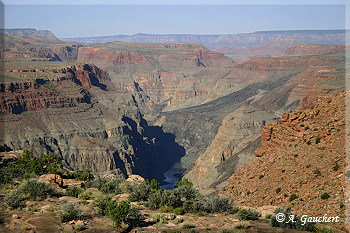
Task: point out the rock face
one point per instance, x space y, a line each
38 47
169 75
78 114
304 154
299 50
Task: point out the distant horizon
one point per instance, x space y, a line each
71 21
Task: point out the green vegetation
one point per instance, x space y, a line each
187 225
28 190
278 190
68 213
317 140
242 225
317 171
292 197
261 176
336 167
325 196
118 212
248 214
74 191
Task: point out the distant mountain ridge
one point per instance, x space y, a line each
25 32
229 40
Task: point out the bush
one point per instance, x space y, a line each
135 213
172 216
248 214
35 190
74 191
336 167
317 140
85 195
164 198
158 217
278 190
261 176
118 212
217 204
292 197
324 229
179 220
101 202
15 200
68 213
325 196
139 192
242 225
111 187
97 182
84 175
178 211
228 230
268 216
187 225
317 171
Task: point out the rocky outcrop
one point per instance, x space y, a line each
42 94
303 154
303 50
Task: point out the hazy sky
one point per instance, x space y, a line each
113 19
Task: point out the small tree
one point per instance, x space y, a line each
118 212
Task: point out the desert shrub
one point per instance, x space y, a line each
154 185
101 202
155 200
217 204
317 171
97 182
164 198
15 200
325 196
228 230
135 213
187 225
292 197
111 187
69 212
84 175
178 211
172 216
317 140
336 167
186 192
308 143
192 206
118 212
278 190
139 192
85 195
261 176
178 220
248 214
74 191
169 198
158 218
268 216
35 190
242 225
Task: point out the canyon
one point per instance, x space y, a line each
128 107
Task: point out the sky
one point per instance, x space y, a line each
101 18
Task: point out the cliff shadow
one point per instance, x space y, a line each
157 150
